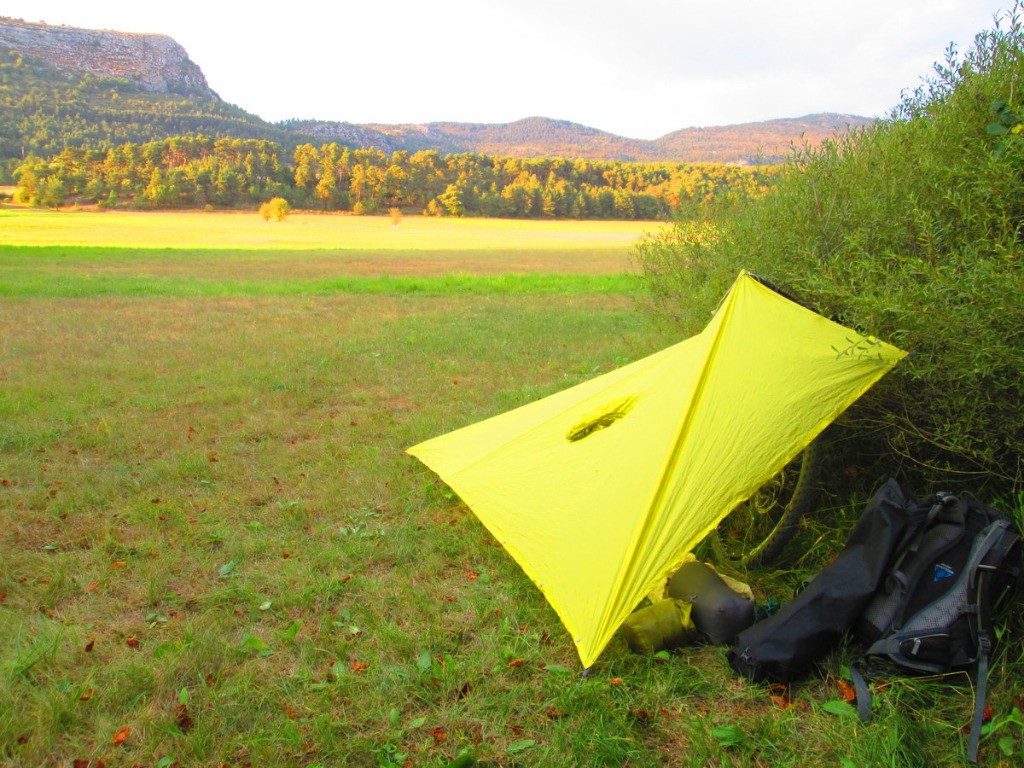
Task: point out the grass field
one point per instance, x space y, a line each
49 253
558 240
215 551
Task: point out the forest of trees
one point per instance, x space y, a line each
197 172
43 111
79 139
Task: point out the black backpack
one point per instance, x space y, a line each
917 583
933 612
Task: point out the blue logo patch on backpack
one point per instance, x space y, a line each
942 571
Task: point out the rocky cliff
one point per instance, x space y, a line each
153 62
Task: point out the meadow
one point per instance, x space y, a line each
215 551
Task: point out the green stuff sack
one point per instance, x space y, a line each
661 626
717 611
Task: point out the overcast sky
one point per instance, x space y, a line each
640 69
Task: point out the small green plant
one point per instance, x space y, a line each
390 754
1011 729
728 735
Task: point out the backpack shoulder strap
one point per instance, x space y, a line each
863 693
999 532
984 647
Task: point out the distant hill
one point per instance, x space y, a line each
748 143
764 142
62 86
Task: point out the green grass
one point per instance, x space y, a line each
50 281
211 536
82 254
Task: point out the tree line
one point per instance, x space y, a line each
198 172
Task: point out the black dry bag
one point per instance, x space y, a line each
784 646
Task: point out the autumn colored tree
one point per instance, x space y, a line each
276 208
197 171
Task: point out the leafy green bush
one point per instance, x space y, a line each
909 230
277 208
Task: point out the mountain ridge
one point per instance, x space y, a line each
764 142
157 65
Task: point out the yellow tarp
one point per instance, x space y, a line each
600 491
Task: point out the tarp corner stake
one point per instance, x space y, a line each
600 490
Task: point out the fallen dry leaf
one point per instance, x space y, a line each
358 666
121 735
779 694
439 733
92 586
132 642
183 718
118 564
846 691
